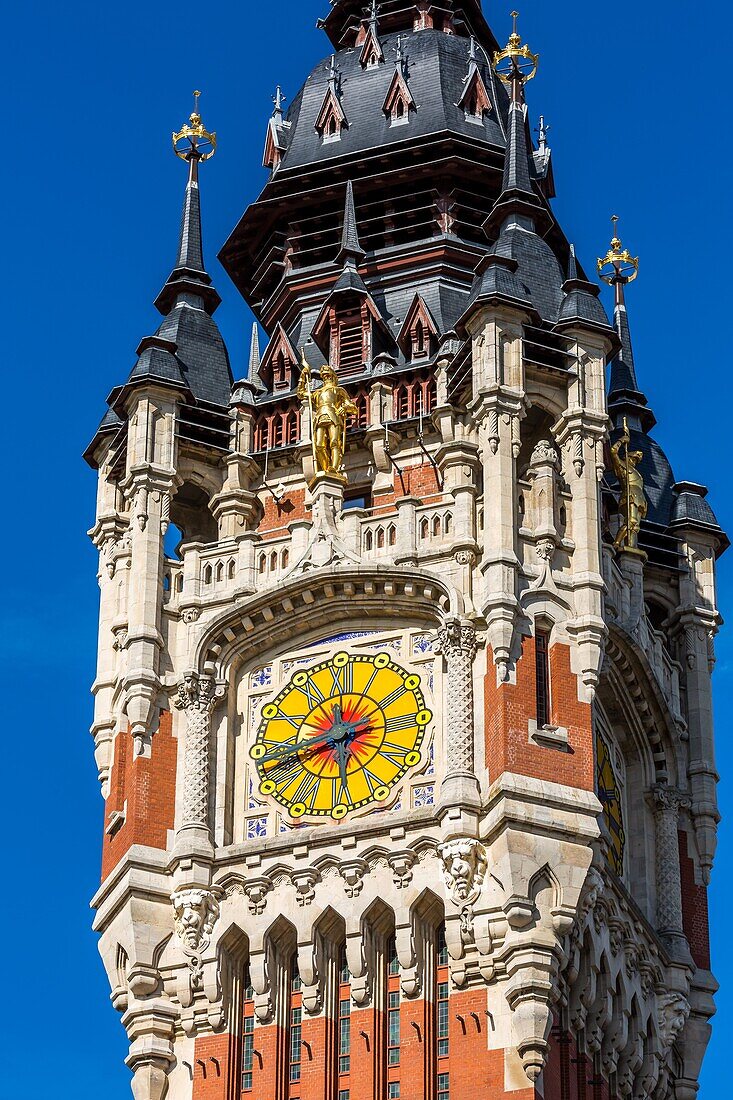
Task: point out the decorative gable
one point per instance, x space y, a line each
275 145
279 363
399 101
371 52
418 337
350 331
331 118
474 97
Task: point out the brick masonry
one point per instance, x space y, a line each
511 707
148 786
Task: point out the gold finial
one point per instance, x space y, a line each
194 141
515 60
618 264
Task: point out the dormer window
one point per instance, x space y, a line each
418 337
399 101
474 98
331 118
279 363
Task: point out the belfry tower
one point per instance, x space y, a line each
403 706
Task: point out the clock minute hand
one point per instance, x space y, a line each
341 750
296 746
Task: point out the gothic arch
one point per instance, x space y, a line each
312 602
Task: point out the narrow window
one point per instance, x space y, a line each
442 1040
393 1007
542 661
344 1026
248 1042
296 1021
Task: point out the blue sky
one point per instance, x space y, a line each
90 204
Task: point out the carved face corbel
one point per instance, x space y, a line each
464 870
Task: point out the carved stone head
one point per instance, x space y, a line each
195 912
464 868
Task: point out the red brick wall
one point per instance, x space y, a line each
149 787
509 708
316 1072
420 481
417 1051
269 1071
211 1067
367 1053
694 907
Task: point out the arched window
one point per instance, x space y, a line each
448 523
542 677
392 534
369 541
220 571
232 568
262 563
285 558
424 528
248 1034
208 574
436 526
380 538
273 561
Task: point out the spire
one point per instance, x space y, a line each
351 253
254 353
581 300
515 65
193 144
618 268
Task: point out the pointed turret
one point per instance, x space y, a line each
515 65
187 352
581 302
618 268
193 144
351 252
254 353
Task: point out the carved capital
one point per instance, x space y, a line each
457 640
199 693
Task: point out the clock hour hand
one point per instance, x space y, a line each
342 760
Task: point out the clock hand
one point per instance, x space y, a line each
296 746
341 750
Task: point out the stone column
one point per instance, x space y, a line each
667 804
197 696
458 644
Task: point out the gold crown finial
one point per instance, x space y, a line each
515 61
618 265
193 141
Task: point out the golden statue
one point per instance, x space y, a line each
330 407
632 502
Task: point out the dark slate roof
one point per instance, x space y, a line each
436 67
201 352
691 509
538 268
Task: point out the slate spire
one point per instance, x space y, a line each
189 276
515 65
618 268
351 252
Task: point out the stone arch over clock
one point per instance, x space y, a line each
365 619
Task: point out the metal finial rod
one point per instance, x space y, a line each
515 62
515 16
196 97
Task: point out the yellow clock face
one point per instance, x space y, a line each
341 736
609 795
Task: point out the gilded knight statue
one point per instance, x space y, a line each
633 504
330 407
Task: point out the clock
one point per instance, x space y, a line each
341 736
609 795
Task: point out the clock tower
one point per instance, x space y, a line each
403 704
